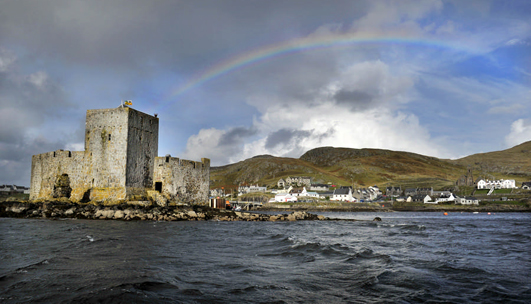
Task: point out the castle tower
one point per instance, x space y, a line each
119 163
120 146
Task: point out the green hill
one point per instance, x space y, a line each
366 167
515 161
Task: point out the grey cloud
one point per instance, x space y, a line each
181 34
284 136
358 100
289 140
291 136
236 136
15 159
27 101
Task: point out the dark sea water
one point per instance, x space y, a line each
406 258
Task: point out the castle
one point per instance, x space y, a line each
119 163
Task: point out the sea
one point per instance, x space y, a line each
407 257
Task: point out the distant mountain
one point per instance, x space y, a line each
366 167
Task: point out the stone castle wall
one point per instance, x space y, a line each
184 180
119 163
47 167
106 142
142 149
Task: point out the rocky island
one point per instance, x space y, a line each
139 211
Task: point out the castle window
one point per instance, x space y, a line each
69 153
167 159
109 137
53 153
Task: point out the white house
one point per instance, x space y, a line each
298 191
427 200
308 194
285 197
343 194
319 187
248 189
446 198
14 188
496 184
312 194
467 201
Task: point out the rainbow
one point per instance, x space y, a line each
304 44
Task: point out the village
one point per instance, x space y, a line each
301 189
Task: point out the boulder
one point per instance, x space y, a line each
17 208
119 214
107 214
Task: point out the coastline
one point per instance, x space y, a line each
357 207
131 211
142 211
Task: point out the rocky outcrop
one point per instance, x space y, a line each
129 212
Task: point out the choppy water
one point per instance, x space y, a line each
406 258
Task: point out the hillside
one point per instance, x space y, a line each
366 167
342 166
513 161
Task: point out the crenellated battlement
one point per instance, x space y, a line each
175 161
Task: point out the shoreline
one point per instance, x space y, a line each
372 208
133 211
136 212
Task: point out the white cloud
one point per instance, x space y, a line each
75 146
508 109
486 93
359 108
391 15
38 79
520 132
6 59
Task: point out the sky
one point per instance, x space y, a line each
232 79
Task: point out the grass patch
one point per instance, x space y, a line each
518 203
16 196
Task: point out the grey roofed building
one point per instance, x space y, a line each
343 190
323 195
410 192
393 191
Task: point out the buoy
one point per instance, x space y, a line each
446 213
488 213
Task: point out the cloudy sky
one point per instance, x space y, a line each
231 79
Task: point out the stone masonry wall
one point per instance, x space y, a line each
184 180
46 168
142 148
106 143
119 162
